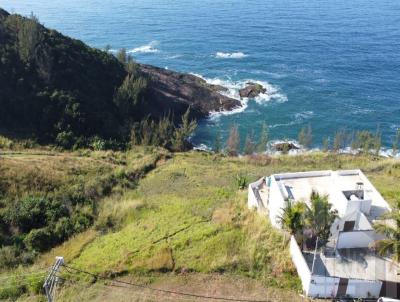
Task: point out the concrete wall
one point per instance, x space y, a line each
364 288
327 287
323 287
363 223
251 198
356 239
359 205
276 202
301 265
375 196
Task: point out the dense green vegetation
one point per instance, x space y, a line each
47 197
54 89
187 216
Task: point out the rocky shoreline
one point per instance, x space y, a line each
175 91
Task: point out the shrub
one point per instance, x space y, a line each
98 144
241 182
65 139
12 292
81 221
32 212
8 256
5 142
39 240
35 283
63 229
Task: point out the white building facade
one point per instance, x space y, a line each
346 266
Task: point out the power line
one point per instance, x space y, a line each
163 290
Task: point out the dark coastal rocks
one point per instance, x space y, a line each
251 90
285 146
174 92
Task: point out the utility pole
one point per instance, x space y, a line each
51 281
315 255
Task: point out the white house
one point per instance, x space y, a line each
346 266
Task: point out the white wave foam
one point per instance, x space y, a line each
299 118
148 48
202 147
272 93
230 55
173 56
304 115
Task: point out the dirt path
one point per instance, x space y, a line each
211 285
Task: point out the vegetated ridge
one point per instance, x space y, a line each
58 90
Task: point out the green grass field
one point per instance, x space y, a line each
187 220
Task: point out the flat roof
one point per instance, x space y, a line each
298 186
301 184
359 263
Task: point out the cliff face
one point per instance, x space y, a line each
52 86
173 90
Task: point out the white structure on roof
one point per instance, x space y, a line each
346 266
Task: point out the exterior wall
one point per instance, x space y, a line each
276 202
374 195
363 288
251 198
363 223
323 287
301 265
327 287
356 239
359 205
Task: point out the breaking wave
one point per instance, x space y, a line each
272 93
230 55
148 48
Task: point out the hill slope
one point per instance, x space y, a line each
157 232
58 89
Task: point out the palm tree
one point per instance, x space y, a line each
320 216
292 217
390 227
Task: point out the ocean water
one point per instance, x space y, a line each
331 64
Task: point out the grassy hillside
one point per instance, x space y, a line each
186 226
46 197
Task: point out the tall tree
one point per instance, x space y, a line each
389 225
396 141
183 132
339 141
218 142
29 37
326 144
122 56
305 136
249 145
233 142
377 141
264 136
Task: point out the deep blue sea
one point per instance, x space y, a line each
333 64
